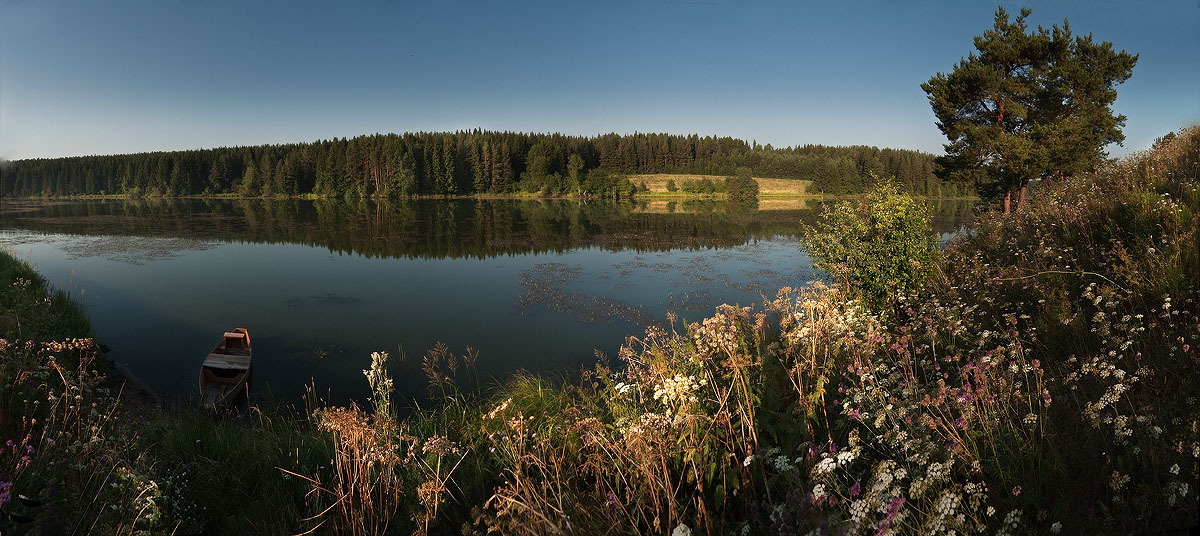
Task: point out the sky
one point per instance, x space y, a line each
81 77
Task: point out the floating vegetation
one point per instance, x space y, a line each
327 299
762 280
134 250
546 287
690 283
695 301
330 298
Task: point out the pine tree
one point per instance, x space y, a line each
1027 106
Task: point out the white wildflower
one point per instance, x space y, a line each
782 464
826 465
858 511
844 457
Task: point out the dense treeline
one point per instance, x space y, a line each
463 163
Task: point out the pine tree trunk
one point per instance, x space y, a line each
1008 202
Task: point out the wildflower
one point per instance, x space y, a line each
1056 527
678 388
991 511
818 491
858 511
746 462
894 507
845 457
498 409
682 530
782 464
1118 481
856 489
1016 491
826 465
1174 469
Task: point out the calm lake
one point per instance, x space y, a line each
534 285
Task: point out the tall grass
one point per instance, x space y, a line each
219 473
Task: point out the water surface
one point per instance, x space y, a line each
534 285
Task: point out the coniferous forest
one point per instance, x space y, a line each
464 163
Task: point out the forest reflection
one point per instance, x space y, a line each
440 228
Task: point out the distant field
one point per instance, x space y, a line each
657 183
664 206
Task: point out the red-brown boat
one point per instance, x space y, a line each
224 373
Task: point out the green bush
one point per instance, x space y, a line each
701 187
742 185
879 246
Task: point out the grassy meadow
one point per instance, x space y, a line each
656 185
1041 380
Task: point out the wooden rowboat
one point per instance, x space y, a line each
224 373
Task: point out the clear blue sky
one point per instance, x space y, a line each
86 77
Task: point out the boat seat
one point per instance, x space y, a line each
227 361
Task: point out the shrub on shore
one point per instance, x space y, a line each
878 247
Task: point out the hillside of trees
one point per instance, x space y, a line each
463 163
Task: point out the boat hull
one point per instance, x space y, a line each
225 372
218 391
